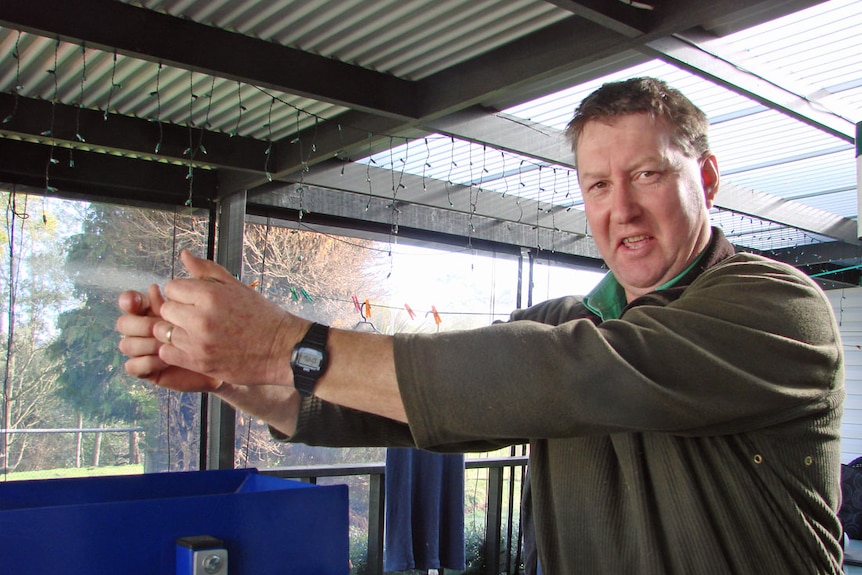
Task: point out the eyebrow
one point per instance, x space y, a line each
583 175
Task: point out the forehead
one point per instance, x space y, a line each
640 126
621 139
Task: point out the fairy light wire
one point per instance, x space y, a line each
16 55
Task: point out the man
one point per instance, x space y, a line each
683 417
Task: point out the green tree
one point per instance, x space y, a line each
32 292
123 247
118 247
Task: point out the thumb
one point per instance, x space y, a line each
204 269
133 302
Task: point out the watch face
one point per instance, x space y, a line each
309 358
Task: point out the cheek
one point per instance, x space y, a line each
693 203
596 220
598 227
694 195
681 203
595 206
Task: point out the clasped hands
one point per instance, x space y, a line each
206 330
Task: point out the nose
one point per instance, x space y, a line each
624 206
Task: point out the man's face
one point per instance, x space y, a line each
646 202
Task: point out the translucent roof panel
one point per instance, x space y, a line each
816 55
464 163
816 52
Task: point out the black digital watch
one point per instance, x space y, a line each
310 359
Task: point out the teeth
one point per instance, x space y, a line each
634 239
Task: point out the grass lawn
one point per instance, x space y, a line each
73 472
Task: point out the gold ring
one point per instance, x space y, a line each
169 334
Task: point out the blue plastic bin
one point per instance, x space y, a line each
129 524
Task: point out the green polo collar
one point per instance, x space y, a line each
608 299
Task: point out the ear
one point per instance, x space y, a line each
710 178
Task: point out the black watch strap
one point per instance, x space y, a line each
316 335
303 380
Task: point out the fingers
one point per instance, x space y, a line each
169 339
207 277
144 334
170 377
138 346
200 323
156 299
130 325
136 332
204 269
145 366
166 332
133 302
172 340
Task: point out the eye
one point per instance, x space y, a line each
648 176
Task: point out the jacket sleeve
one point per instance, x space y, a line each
328 425
750 343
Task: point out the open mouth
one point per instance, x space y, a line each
636 242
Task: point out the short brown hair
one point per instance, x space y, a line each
652 96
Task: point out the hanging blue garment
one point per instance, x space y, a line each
424 510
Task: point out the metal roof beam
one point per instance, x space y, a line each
837 253
633 18
360 192
624 18
374 182
683 50
509 133
786 212
98 175
428 222
117 134
157 37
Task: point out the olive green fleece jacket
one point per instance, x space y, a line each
697 434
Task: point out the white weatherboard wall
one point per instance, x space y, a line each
847 304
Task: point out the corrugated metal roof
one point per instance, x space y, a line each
99 80
410 40
407 39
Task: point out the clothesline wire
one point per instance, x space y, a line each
401 308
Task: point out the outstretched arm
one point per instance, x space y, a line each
213 329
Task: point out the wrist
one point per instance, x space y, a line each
276 405
290 331
309 359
